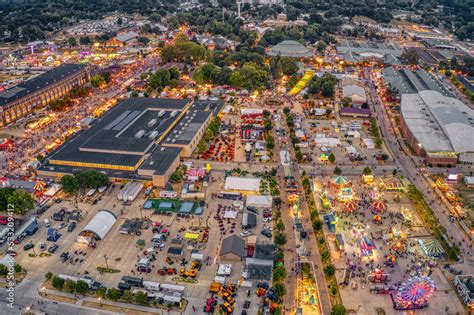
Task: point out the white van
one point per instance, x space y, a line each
47 223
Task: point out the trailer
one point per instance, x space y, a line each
91 192
153 286
164 287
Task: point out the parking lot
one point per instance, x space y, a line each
121 252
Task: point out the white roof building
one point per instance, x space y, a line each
440 123
262 201
126 37
100 224
355 92
249 184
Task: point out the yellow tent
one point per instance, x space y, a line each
191 236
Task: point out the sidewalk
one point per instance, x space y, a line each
81 299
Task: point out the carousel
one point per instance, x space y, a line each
339 181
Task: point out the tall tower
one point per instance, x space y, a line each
239 3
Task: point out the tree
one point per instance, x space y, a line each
113 294
70 285
3 270
367 171
250 76
289 65
81 287
378 142
279 289
85 40
141 298
317 225
321 46
325 255
58 282
280 239
49 275
155 18
332 158
270 144
329 270
337 171
72 41
19 200
299 155
338 309
101 292
127 296
17 268
69 184
143 40
279 274
411 57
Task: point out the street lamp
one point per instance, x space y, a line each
106 264
100 301
44 291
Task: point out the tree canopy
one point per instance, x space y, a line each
20 201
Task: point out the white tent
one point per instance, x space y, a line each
230 214
99 225
369 144
251 111
250 184
264 201
51 191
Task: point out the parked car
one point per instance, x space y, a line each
64 256
267 233
63 225
11 253
20 238
267 219
252 209
53 248
28 246
245 233
58 200
71 226
3 220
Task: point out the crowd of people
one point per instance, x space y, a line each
31 145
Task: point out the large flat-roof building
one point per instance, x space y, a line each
358 51
406 81
438 127
139 139
37 92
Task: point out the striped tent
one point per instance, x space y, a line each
340 180
39 186
431 248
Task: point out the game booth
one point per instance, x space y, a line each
366 246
